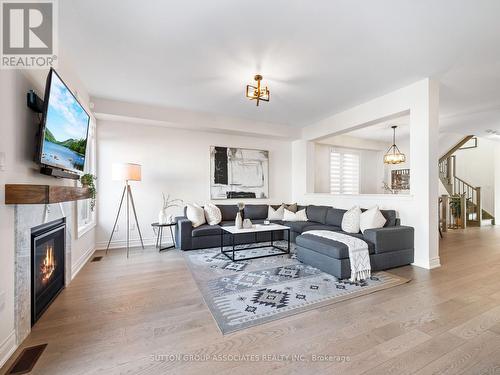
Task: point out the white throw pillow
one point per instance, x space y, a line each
212 214
350 220
371 218
275 214
195 214
294 216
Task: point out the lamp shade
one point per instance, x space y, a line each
126 172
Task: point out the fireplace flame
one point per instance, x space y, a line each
48 264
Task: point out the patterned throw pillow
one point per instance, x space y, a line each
212 214
350 221
275 214
290 207
371 218
295 216
195 214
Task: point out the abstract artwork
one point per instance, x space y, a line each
238 173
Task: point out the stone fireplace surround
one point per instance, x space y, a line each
27 217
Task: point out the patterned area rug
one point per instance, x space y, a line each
250 292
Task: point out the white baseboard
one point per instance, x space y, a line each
120 244
428 264
75 268
7 348
435 263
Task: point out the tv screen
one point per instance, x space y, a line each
65 128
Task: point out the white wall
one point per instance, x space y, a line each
497 184
476 166
372 172
173 161
18 143
346 140
322 168
371 169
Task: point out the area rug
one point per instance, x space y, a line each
247 292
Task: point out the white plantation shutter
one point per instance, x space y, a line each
344 172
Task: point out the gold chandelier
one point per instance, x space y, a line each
393 155
257 93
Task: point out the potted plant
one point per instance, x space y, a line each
456 208
88 181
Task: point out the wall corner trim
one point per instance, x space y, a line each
427 264
8 347
84 258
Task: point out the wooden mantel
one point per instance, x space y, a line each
43 194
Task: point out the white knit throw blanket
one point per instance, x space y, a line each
359 256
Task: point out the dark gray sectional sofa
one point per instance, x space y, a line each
390 246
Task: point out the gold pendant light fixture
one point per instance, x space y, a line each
393 155
257 93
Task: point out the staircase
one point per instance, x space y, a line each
458 189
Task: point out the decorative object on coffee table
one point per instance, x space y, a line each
247 224
126 172
164 217
238 222
159 235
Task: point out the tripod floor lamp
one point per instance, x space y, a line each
126 172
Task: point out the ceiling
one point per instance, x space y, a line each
317 57
383 132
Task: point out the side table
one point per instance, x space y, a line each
159 235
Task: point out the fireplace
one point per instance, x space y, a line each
48 242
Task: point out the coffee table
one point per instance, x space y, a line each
232 231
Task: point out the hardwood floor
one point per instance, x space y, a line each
122 316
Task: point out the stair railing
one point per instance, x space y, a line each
446 172
471 195
444 205
443 168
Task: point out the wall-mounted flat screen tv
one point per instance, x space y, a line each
65 127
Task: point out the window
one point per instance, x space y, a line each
344 172
85 216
